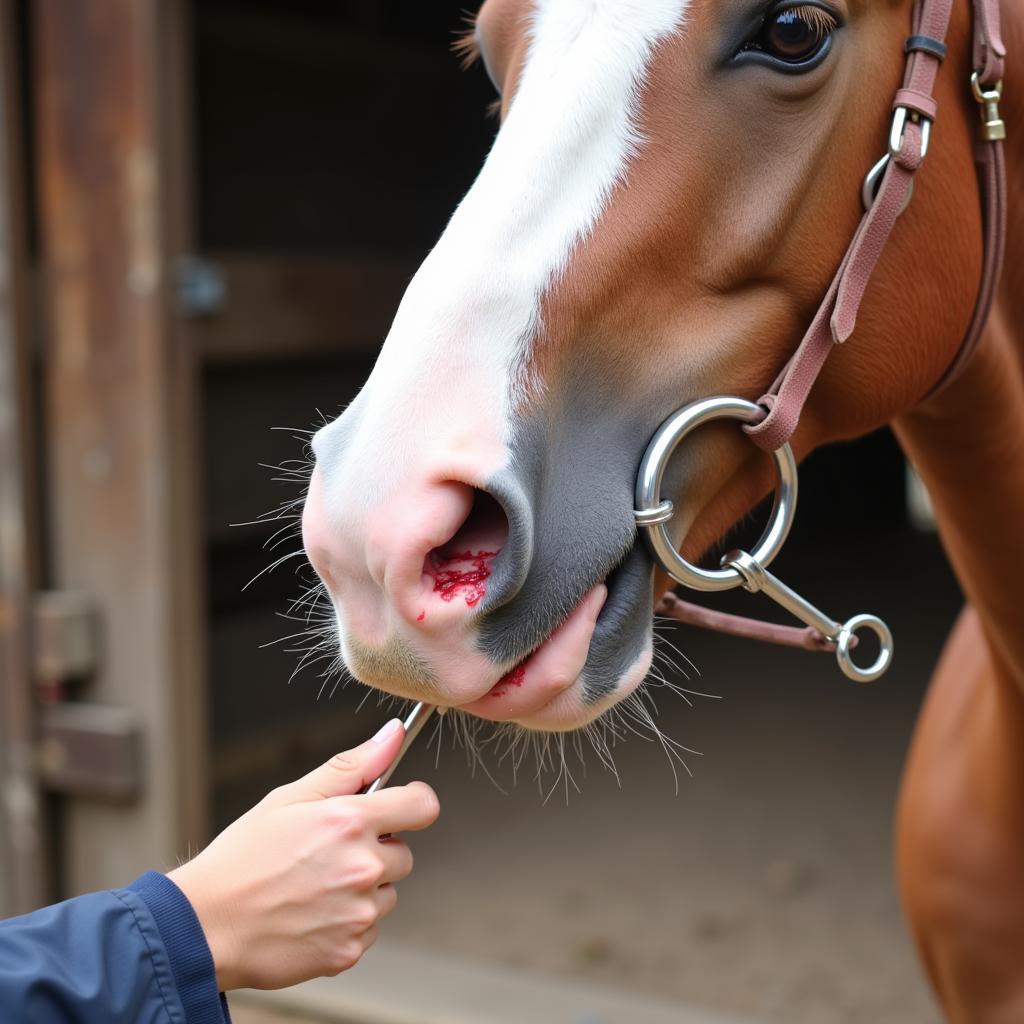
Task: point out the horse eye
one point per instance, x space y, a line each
795 35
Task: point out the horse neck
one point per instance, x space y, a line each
968 447
968 443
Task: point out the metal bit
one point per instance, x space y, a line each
758 580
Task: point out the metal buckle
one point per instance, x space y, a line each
873 180
993 127
899 126
897 135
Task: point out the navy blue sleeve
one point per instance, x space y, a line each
130 956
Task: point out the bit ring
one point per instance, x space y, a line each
651 510
885 643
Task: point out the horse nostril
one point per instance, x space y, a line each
462 566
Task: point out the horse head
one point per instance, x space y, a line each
672 188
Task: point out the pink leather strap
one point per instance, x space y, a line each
989 49
809 639
836 317
913 100
992 176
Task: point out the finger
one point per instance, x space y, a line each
386 899
349 772
402 808
396 859
368 938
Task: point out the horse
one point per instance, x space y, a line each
671 190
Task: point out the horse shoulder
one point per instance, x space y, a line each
960 834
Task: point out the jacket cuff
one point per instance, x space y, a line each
187 950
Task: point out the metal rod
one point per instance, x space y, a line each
757 579
414 722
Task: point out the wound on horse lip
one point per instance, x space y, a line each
510 679
470 583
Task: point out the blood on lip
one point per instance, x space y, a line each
510 679
470 583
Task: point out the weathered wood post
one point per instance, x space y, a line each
109 84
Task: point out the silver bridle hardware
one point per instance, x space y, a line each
899 125
740 568
653 513
758 580
872 181
993 127
897 130
652 516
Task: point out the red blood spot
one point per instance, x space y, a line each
470 583
513 678
421 616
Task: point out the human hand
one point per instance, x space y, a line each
294 888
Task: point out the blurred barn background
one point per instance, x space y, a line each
209 210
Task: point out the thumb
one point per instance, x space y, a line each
349 772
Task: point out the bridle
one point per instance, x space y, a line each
771 421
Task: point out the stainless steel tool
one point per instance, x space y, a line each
414 722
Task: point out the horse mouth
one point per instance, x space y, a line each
550 673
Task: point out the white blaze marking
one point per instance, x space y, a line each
447 372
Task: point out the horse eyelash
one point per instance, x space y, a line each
817 17
466 48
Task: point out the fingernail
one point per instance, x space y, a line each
388 730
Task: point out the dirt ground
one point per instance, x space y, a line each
242 1013
765 885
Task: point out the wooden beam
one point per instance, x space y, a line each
22 846
121 416
291 308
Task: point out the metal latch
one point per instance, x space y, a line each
90 750
65 629
84 749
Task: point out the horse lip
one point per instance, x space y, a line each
528 650
552 636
